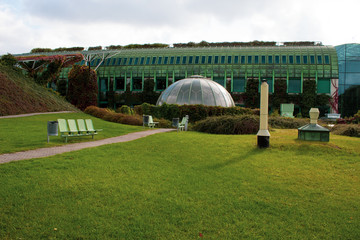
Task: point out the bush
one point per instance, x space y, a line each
244 124
125 110
109 115
82 87
287 123
195 112
351 130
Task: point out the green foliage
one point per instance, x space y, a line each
308 97
61 49
8 60
279 96
351 130
61 86
244 124
50 74
125 110
82 87
195 112
97 48
252 95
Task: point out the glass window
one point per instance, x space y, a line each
291 59
256 59
136 61
263 59
153 62
249 60
242 59
172 60
114 61
209 59
294 85
107 63
131 61
147 60
239 84
177 60
283 59
120 83
124 61
118 61
327 59
236 59
216 59
159 60
270 59
190 59
229 59
222 59
197 58
277 59
323 86
312 59
298 59
319 59
166 59
305 59
160 83
203 59
137 84
220 80
184 60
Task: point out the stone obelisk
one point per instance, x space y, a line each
263 135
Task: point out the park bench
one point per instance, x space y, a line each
69 128
181 125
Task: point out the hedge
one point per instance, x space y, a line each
195 112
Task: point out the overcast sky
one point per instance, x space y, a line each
28 24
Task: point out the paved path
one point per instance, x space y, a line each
32 114
45 152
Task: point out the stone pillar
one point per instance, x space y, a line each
263 135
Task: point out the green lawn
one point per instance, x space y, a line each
24 133
180 185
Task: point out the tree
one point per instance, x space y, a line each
82 87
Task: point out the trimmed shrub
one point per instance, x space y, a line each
109 115
287 123
195 112
351 130
125 110
244 124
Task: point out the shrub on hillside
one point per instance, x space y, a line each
351 130
242 124
125 110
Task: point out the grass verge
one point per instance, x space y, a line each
25 133
187 186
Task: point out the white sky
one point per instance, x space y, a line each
28 24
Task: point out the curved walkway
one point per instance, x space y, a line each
45 152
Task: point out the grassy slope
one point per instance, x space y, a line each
178 185
19 94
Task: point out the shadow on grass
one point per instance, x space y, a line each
254 151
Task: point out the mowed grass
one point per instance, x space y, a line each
187 186
25 133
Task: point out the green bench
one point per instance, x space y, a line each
69 128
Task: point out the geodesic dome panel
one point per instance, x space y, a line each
196 90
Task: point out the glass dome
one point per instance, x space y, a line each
196 90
